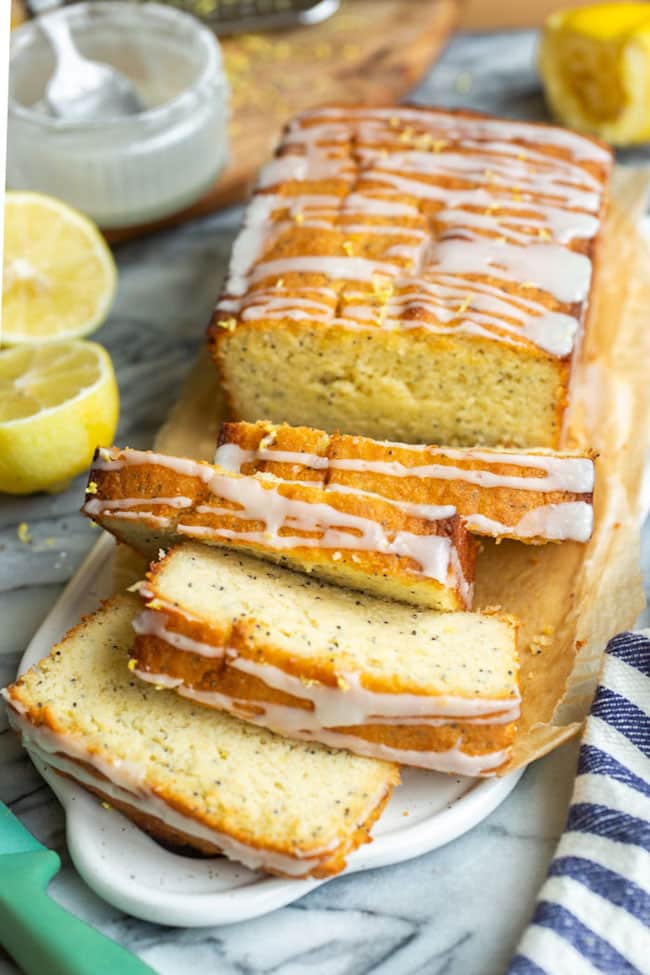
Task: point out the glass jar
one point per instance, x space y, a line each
129 170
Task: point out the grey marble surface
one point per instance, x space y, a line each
457 911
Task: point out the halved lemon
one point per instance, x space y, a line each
595 65
59 275
57 403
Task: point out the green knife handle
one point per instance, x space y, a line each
43 937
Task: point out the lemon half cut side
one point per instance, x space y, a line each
59 275
57 403
595 65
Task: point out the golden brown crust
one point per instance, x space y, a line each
253 436
155 827
505 505
360 568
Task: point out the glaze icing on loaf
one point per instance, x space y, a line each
151 500
311 660
414 274
188 775
531 496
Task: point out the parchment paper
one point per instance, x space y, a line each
571 598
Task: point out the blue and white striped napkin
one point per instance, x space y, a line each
593 912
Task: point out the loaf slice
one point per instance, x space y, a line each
311 660
152 500
414 274
533 496
185 774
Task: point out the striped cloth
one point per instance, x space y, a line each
593 912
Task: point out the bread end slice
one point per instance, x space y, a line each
184 772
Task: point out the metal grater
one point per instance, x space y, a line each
238 16
235 16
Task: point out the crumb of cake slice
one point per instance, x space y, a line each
186 774
314 661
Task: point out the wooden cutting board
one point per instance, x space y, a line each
371 51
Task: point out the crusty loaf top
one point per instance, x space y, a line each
531 495
421 218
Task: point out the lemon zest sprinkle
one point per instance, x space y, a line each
268 440
228 323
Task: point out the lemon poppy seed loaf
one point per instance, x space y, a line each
151 500
312 660
414 274
188 775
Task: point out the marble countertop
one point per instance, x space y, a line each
457 911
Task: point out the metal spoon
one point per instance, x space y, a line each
80 89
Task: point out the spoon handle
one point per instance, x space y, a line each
57 29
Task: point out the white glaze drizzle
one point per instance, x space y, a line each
577 472
259 500
349 703
565 521
158 520
152 623
473 127
429 511
431 552
570 520
291 721
336 268
556 270
519 209
231 457
573 474
454 761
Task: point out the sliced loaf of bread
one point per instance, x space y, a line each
311 660
187 775
367 542
533 496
